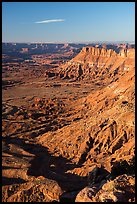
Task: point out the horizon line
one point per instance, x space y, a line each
85 42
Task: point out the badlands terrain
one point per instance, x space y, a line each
68 126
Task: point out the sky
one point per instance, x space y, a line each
68 21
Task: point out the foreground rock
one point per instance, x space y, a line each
121 189
38 190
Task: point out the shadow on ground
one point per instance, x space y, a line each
10 181
47 165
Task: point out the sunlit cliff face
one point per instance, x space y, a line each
98 63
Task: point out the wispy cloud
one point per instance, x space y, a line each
51 21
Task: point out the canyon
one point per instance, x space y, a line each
68 132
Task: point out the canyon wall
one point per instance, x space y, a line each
98 63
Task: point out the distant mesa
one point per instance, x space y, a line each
92 63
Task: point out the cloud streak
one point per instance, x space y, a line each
51 21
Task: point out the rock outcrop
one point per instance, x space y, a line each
36 190
120 189
97 64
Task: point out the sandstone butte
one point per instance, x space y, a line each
92 157
93 63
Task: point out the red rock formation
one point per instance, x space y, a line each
96 63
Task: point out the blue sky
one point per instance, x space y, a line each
75 21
